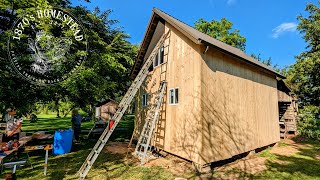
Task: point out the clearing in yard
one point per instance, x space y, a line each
295 158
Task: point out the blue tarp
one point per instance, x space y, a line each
62 141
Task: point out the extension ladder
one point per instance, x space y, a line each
150 124
125 102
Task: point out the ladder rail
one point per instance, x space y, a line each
126 100
155 118
149 125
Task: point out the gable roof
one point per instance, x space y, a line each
282 86
194 35
98 104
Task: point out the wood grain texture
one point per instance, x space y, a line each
239 107
226 107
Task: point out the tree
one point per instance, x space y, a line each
14 90
264 61
267 62
304 75
104 74
222 31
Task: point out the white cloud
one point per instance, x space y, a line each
231 2
282 28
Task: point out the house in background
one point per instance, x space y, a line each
106 109
219 101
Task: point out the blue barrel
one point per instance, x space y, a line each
62 141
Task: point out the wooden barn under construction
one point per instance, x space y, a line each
219 101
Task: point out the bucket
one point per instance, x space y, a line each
62 141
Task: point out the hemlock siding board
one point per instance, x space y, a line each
226 106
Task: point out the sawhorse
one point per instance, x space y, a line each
41 147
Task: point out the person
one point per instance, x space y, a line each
8 115
76 124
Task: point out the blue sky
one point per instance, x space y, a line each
269 26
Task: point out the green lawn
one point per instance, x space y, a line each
50 123
65 166
303 164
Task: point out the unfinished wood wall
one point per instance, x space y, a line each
239 107
225 107
283 96
147 86
178 130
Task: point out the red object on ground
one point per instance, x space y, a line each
111 124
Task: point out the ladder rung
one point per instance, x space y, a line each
125 102
138 154
149 126
144 145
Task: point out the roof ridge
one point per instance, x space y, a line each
222 45
177 19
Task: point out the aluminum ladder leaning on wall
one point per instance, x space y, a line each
150 124
125 102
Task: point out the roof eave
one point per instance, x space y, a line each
269 69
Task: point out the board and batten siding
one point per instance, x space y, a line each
179 127
225 108
239 107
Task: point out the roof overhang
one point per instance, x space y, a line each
194 35
152 25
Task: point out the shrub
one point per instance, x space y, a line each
309 122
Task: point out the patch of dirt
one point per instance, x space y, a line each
247 165
288 148
243 168
174 164
118 148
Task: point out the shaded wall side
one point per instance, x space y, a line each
283 96
239 107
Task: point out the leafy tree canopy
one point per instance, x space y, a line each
104 74
222 30
304 75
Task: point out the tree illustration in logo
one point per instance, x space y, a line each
48 52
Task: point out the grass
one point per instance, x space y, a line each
282 144
107 166
49 123
267 154
301 165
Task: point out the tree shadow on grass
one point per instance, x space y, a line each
300 165
58 166
107 166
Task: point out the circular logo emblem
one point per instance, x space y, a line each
46 46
